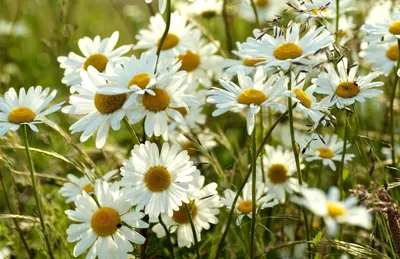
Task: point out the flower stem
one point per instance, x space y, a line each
165 34
35 191
196 243
341 169
253 190
337 14
135 138
296 157
170 246
253 5
392 124
227 22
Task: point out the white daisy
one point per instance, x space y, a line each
244 205
203 206
346 29
387 29
101 111
279 167
328 152
334 211
105 224
267 10
176 42
204 8
26 109
250 95
382 56
15 28
72 189
287 47
326 8
157 180
97 53
345 88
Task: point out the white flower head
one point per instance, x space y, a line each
387 29
325 8
267 10
382 56
107 227
250 95
204 8
157 180
27 108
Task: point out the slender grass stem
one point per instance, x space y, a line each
341 169
168 235
8 203
135 138
253 5
392 98
253 190
227 22
296 157
35 191
196 243
337 14
165 34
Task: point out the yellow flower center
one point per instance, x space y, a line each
181 110
106 104
170 41
245 207
141 80
317 11
190 148
395 28
277 173
251 62
303 97
262 3
190 61
158 102
157 179
105 221
347 89
392 53
181 217
335 209
325 152
88 188
21 115
98 61
252 96
288 51
341 34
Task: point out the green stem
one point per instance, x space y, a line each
170 246
296 157
227 21
135 138
337 15
253 5
393 96
253 190
165 34
35 191
341 169
196 243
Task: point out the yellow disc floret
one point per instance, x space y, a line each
21 115
262 3
395 28
88 188
170 41
141 80
277 173
157 102
347 89
252 96
105 221
251 62
325 152
335 209
245 207
98 61
157 179
190 61
303 97
181 217
107 104
392 53
288 51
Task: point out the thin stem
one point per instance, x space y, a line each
253 5
151 9
392 124
253 190
170 246
337 15
135 138
341 169
196 243
143 232
227 21
259 150
35 191
6 198
165 34
296 157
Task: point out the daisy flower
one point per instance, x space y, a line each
101 111
105 224
279 167
165 99
326 8
250 95
177 41
267 10
27 108
344 88
284 48
329 152
157 180
387 29
97 53
333 211
244 205
203 206
204 8
72 189
382 56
